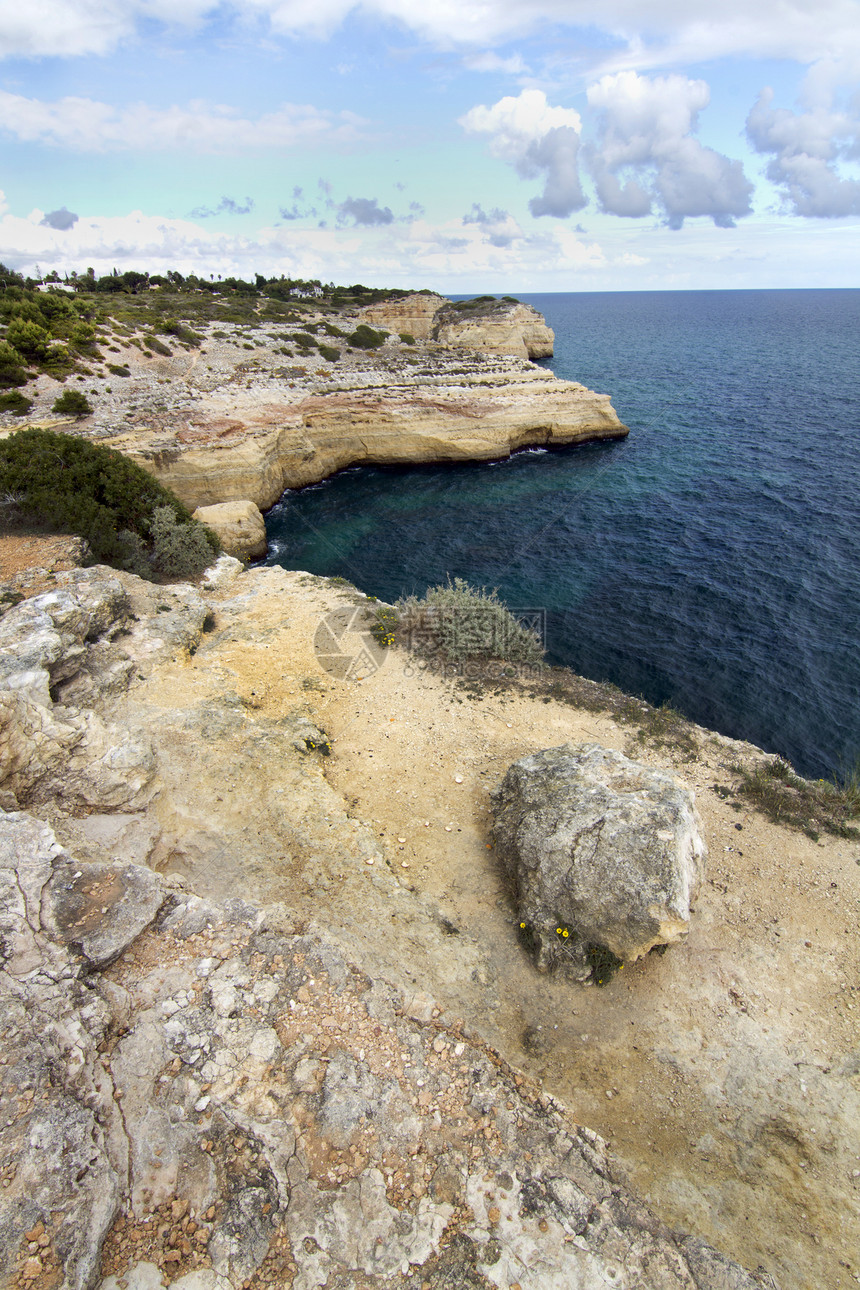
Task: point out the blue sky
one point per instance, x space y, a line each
482 145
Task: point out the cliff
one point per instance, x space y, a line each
254 411
495 327
254 430
486 324
287 1034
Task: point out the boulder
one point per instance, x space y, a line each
239 525
603 853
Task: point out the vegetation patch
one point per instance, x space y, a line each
812 806
72 403
365 337
459 622
14 401
383 629
65 484
603 963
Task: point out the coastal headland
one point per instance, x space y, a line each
236 418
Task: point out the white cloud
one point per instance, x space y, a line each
805 148
646 156
676 30
538 140
417 252
86 125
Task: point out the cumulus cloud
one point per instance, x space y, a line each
539 141
61 219
226 206
769 28
646 156
804 149
364 211
86 125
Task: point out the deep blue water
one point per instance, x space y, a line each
711 560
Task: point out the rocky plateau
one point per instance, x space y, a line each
267 1020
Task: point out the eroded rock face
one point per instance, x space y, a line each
233 1099
497 328
413 315
239 525
601 851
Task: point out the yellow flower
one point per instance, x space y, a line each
522 924
565 932
558 931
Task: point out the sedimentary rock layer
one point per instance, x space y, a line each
291 427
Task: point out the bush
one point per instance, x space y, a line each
11 367
27 337
406 338
15 403
179 550
329 352
72 403
173 327
57 362
365 337
77 487
158 347
118 369
462 622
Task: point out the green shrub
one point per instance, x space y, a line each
11 367
82 335
74 486
173 327
329 352
15 403
462 622
57 362
72 403
118 369
365 337
179 550
406 338
28 337
157 346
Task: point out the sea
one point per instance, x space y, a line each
710 561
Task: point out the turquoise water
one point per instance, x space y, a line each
709 560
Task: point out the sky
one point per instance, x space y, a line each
462 145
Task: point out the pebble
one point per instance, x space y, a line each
458 779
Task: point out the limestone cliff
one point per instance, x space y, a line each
275 430
495 327
487 324
413 315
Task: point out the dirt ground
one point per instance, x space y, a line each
28 561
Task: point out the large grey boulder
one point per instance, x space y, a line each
603 853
